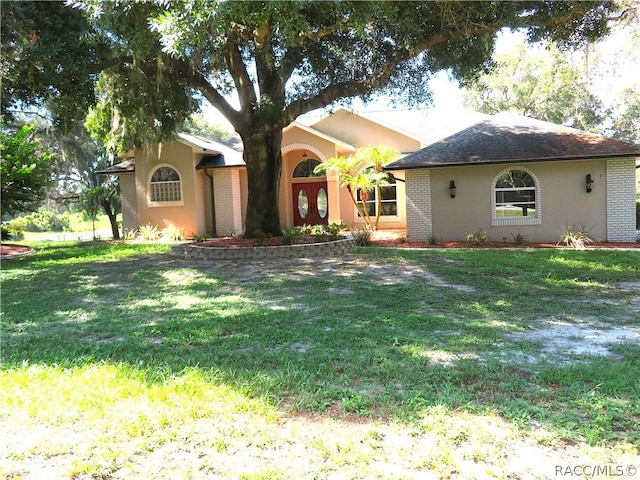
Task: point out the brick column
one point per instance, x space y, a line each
418 193
621 199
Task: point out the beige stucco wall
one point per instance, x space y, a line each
129 202
361 132
189 215
563 201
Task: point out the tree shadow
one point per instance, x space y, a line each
341 333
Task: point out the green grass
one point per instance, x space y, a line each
119 361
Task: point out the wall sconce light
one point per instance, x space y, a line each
304 155
589 183
452 189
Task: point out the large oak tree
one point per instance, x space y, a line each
262 64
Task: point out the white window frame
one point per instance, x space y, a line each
383 218
508 221
171 203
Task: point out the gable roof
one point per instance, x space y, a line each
513 138
319 134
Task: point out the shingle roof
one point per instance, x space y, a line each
513 138
126 166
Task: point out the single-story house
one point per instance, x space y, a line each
510 175
201 185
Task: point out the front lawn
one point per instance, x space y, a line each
120 361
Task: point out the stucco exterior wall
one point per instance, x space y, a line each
621 199
563 201
297 141
361 132
129 202
179 157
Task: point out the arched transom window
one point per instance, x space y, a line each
516 198
305 168
165 186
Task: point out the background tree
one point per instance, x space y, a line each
198 125
626 125
49 58
25 171
282 59
542 84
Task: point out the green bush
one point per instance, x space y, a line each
477 237
362 236
638 214
576 237
45 220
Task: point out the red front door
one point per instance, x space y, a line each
310 204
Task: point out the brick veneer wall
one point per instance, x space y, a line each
227 195
621 198
418 193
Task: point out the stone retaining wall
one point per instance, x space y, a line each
324 249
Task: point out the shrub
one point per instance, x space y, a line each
576 237
477 237
45 220
638 214
432 239
290 235
519 239
172 233
362 236
149 233
6 233
201 238
334 229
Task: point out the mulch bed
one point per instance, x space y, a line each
401 243
9 250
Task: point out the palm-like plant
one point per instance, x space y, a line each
362 172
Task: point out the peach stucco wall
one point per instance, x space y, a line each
295 143
189 215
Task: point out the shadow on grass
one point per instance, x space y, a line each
381 333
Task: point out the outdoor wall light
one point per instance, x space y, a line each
304 155
589 183
452 189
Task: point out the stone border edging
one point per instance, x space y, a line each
301 250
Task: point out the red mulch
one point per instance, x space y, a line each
9 250
400 243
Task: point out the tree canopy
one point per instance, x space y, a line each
25 171
264 64
545 85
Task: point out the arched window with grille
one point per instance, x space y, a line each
515 197
165 186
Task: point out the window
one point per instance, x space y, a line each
516 198
305 169
165 186
388 200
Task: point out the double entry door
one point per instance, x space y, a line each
310 203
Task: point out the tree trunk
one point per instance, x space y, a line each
106 205
263 157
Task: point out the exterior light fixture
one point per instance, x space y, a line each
304 155
452 189
589 183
